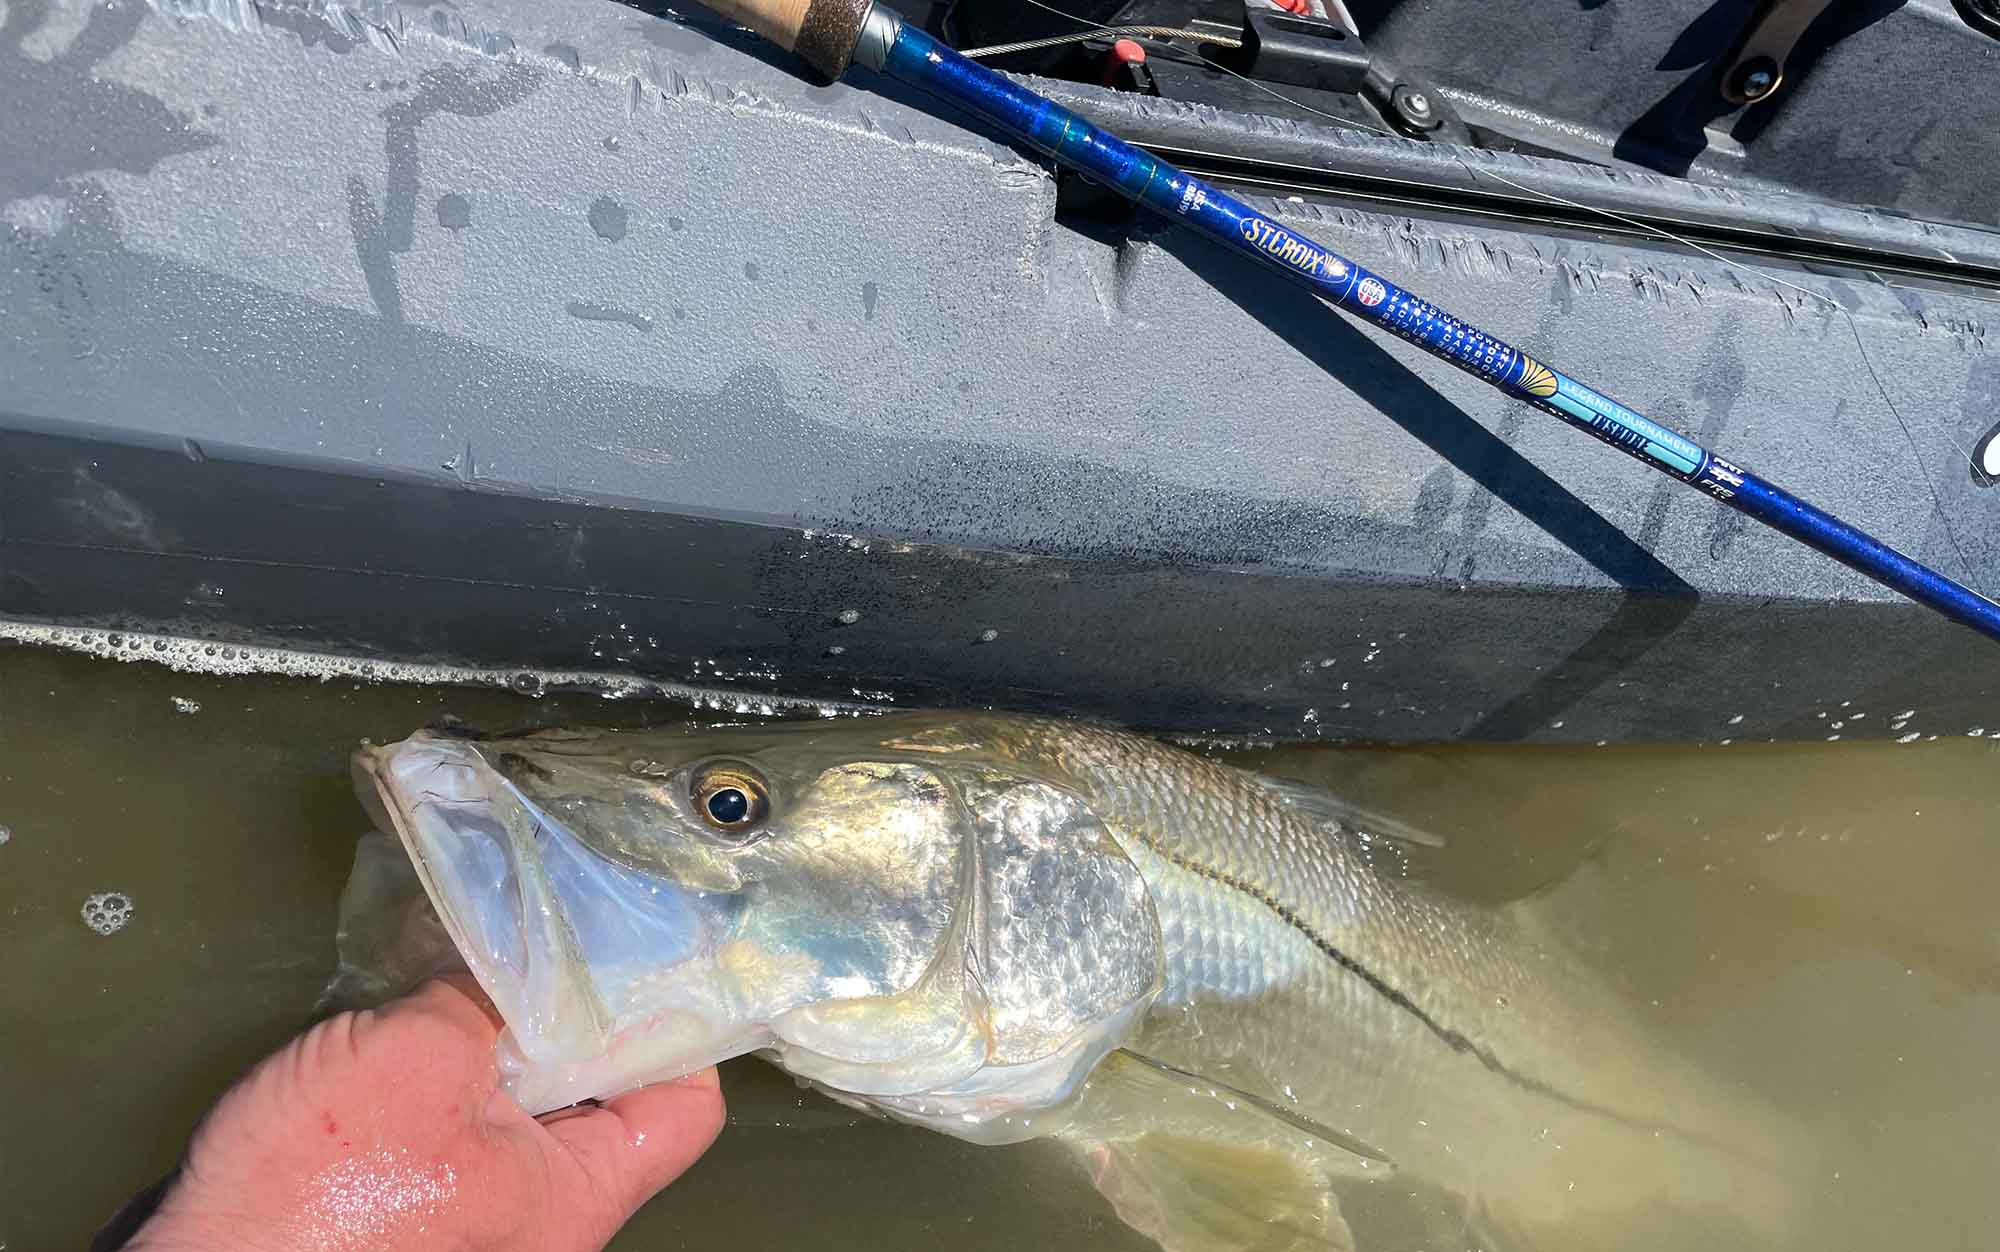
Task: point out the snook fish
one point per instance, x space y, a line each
1007 928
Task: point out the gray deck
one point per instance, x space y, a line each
619 307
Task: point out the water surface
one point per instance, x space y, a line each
1813 923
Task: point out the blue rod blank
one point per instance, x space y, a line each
920 60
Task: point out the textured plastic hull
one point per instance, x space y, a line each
620 309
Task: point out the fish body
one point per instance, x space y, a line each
1008 928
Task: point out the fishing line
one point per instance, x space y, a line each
1648 228
1123 32
1217 65
832 34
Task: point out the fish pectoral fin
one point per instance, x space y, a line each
1248 1112
1327 808
1202 1167
1192 1194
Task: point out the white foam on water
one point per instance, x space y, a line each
205 656
106 912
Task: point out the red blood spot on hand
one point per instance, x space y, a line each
331 1127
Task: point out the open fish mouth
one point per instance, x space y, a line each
578 953
942 942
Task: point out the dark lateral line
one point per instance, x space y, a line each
1457 1041
1452 1038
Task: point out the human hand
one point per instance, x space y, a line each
385 1131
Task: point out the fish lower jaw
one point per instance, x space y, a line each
626 1064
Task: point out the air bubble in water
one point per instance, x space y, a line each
184 705
847 617
988 635
106 912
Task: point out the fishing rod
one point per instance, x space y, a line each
830 34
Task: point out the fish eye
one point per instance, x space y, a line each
728 806
731 798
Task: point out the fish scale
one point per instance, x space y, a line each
1212 820
1449 1038
977 922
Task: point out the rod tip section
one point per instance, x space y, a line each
821 32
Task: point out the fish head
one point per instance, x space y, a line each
931 936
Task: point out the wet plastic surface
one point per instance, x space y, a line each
528 365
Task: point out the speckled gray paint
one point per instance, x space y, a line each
831 308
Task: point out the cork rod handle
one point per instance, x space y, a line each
776 20
823 32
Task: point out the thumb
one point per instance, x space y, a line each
637 1143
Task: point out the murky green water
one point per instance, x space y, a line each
1815 922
